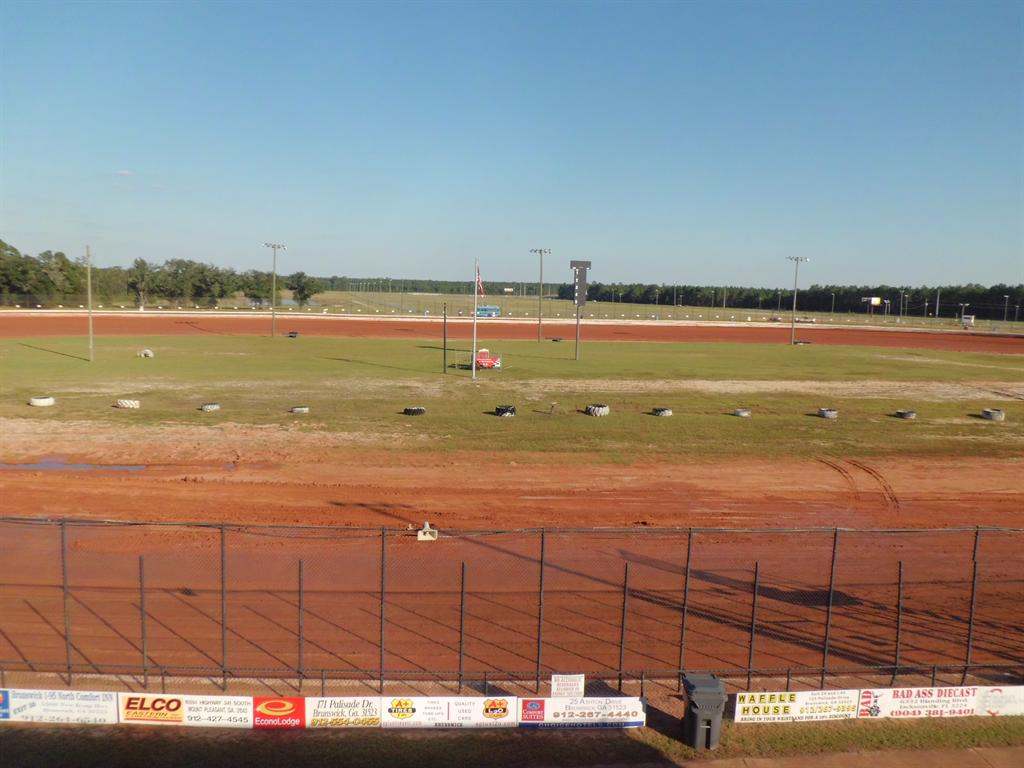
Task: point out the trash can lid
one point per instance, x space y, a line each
703 685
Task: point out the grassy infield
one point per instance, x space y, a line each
358 385
361 385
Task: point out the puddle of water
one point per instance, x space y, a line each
57 464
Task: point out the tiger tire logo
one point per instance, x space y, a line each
401 709
496 709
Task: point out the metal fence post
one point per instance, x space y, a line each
300 668
65 591
540 608
753 623
462 625
142 621
828 612
383 588
899 623
686 606
224 605
970 623
622 623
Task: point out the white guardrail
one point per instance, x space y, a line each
109 708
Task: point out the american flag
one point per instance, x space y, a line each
479 282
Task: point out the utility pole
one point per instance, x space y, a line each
938 295
273 287
88 292
540 292
796 274
1006 306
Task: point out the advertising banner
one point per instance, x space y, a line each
616 712
218 711
41 706
343 712
995 701
792 706
449 712
278 712
954 701
180 709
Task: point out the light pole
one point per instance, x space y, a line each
1006 306
901 305
273 287
778 310
540 291
796 274
833 310
1016 312
88 293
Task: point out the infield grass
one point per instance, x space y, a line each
360 386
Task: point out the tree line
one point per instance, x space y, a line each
51 276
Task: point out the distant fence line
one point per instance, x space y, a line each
420 305
374 604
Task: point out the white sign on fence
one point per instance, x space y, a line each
43 706
449 712
568 686
218 711
791 706
343 712
953 701
616 712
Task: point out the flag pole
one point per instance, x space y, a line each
476 292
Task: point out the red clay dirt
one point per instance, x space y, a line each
235 478
142 324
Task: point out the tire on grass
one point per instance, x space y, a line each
505 411
299 409
130 404
207 407
597 409
661 411
42 401
415 410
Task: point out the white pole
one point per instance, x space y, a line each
88 290
476 292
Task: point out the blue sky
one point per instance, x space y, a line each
665 142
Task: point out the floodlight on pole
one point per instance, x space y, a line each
1006 306
796 273
273 287
540 292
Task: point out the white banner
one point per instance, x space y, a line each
43 706
953 701
448 712
995 700
616 712
343 712
218 711
791 706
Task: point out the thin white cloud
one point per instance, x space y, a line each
124 173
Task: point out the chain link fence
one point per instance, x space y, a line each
227 603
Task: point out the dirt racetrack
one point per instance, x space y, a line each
144 324
240 476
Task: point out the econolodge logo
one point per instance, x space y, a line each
532 710
401 709
288 712
152 709
495 709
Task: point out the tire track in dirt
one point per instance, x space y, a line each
892 500
844 472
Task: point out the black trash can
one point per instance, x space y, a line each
702 725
